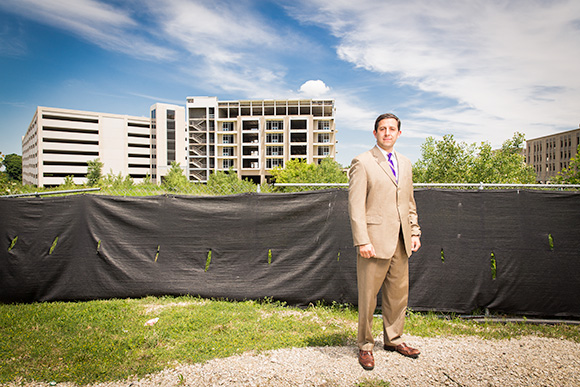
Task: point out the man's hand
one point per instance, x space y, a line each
415 243
366 251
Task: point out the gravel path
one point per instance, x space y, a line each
455 361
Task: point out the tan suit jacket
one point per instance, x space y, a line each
379 206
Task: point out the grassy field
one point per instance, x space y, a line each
86 342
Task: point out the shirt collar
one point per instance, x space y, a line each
386 154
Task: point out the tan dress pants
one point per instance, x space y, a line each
393 275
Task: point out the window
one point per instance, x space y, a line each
228 139
298 137
228 163
227 126
229 151
323 151
274 151
323 125
170 136
274 125
298 125
324 138
250 125
273 163
274 137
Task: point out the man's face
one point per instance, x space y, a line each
387 134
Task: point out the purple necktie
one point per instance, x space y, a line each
392 166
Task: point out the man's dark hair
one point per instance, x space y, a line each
387 115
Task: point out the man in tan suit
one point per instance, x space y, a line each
386 231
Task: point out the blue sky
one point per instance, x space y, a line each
480 70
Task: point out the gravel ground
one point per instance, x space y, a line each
456 361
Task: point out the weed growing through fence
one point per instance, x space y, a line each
13 243
551 242
53 246
269 256
208 260
493 266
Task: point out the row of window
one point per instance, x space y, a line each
273 138
273 125
551 156
252 164
272 151
235 110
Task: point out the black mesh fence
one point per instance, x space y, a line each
513 251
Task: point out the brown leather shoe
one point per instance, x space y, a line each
404 350
366 359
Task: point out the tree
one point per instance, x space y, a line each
147 180
330 171
506 165
13 164
94 172
444 161
68 183
299 171
570 174
175 178
447 161
116 181
228 183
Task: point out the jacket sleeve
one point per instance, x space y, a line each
357 196
413 217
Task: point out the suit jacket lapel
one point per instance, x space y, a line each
383 163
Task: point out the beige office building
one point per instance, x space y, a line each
249 136
60 142
254 136
550 154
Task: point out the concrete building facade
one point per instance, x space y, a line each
60 143
550 154
252 137
168 139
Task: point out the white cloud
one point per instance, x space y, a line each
218 31
102 24
231 48
314 89
224 45
504 66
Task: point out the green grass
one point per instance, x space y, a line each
434 325
93 341
373 383
99 341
